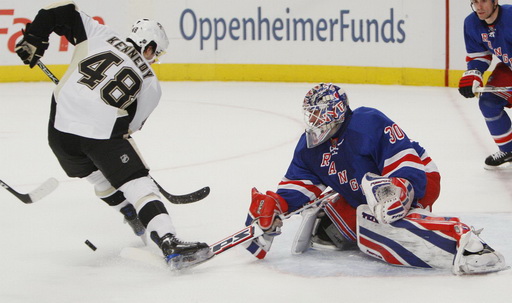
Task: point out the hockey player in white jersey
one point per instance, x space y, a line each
107 93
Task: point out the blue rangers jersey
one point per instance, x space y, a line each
483 40
368 141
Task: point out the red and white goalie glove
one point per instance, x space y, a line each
265 210
389 199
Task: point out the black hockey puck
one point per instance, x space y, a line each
91 246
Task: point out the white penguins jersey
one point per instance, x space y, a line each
109 88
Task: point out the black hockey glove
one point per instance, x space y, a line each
31 48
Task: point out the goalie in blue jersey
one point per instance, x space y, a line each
386 183
488 32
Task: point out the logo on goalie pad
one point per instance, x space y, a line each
369 217
237 238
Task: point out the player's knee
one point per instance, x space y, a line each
491 105
102 186
140 191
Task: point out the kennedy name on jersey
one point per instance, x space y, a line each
131 52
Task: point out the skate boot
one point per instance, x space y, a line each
498 160
130 217
179 254
476 257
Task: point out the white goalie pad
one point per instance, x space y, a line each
474 256
405 242
302 240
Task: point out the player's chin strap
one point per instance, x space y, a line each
253 231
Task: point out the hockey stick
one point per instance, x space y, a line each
175 199
492 89
199 194
37 194
254 231
47 72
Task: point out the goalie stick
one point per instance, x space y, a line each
175 199
254 231
37 194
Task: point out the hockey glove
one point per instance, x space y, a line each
389 199
31 48
470 81
265 209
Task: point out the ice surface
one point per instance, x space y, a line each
233 136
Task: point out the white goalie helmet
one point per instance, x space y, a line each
324 109
144 31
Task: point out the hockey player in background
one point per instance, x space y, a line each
386 183
488 31
107 93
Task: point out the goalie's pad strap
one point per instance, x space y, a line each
418 240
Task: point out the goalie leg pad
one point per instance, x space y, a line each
302 240
474 256
342 225
418 240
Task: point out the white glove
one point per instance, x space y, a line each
389 198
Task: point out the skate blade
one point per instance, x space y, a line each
182 262
507 166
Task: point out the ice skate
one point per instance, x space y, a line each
179 254
130 217
499 160
476 257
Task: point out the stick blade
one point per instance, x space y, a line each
43 190
190 198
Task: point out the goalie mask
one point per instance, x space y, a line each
324 109
145 31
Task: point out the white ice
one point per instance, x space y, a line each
234 136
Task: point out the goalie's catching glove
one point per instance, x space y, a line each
470 81
31 48
389 199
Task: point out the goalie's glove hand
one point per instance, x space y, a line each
31 48
389 199
265 210
470 81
